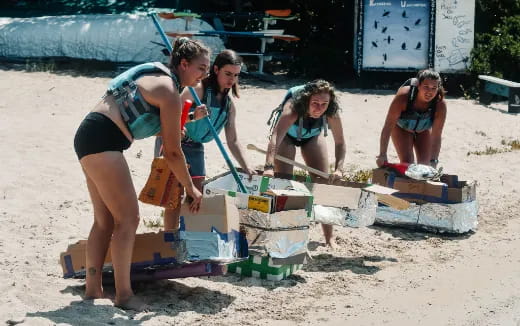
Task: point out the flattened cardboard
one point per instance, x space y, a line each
150 249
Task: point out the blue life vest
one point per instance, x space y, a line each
412 120
141 118
304 127
198 130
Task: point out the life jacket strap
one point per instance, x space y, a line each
300 128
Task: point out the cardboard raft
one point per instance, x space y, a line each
154 260
447 206
275 218
210 238
344 203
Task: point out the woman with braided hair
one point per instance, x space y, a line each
139 103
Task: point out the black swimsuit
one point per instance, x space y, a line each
98 133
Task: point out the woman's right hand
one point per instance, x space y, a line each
196 198
268 173
200 112
381 160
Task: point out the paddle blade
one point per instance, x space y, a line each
398 167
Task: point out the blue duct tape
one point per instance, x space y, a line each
68 266
427 198
444 192
182 224
391 179
169 237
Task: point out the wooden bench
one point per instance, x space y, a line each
501 87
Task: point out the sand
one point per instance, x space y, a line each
376 276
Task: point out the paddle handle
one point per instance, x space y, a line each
185 111
292 162
161 32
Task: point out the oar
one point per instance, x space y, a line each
291 162
241 186
385 198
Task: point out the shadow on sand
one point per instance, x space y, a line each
165 298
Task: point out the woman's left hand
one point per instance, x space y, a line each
250 173
336 175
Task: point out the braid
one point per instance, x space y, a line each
185 48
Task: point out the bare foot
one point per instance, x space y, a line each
132 303
91 295
331 244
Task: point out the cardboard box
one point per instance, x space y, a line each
449 191
274 215
212 234
277 199
350 205
281 235
450 218
263 267
150 249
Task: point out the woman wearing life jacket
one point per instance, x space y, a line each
305 111
214 91
139 103
415 120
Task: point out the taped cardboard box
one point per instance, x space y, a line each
259 185
211 234
283 235
343 205
150 249
263 267
448 191
449 218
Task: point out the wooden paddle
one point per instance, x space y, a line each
384 198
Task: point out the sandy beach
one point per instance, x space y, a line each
376 276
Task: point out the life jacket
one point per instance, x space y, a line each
198 130
412 120
141 118
303 127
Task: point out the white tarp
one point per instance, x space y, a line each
117 37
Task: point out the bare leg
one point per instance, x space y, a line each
97 243
171 216
288 150
423 147
109 172
403 143
315 155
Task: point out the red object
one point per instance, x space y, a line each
399 167
185 111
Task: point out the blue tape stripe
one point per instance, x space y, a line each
427 198
391 180
68 266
